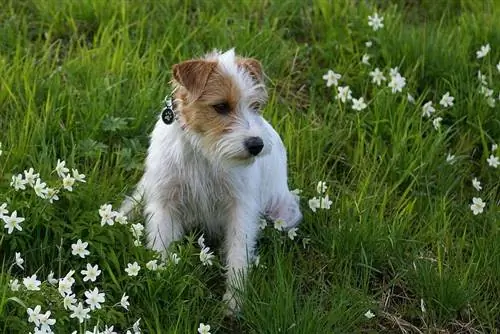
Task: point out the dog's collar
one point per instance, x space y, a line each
168 114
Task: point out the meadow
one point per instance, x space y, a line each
390 112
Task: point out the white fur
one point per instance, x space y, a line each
190 181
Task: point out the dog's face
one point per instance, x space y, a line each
218 101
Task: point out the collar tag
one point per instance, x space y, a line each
167 113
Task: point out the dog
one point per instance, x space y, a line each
217 163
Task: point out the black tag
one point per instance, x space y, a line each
167 115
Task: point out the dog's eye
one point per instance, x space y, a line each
255 106
222 108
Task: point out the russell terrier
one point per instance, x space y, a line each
215 162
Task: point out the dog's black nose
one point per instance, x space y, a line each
254 145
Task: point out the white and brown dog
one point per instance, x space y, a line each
219 165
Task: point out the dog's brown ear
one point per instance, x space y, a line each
193 75
252 66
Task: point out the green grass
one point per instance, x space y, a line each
83 81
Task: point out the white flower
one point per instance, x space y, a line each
136 327
368 44
40 188
377 76
3 210
80 249
369 314
19 260
46 322
483 51
428 109
152 265
262 223
447 100
296 192
493 161
321 187
69 300
18 183
477 205
14 285
201 241
68 182
397 83
375 21
325 203
124 302
120 218
490 101
344 93
108 330
410 98
493 149
133 269
476 184
203 329
358 104
91 273
422 305
66 283
94 298
52 195
61 169
77 176
450 159
31 177
34 315
393 72
137 243
482 78
107 214
436 122
137 230
174 258
279 224
314 203
292 233
31 283
331 78
366 59
1 149
12 222
79 312
206 256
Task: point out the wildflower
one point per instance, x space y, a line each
366 59
30 176
133 269
393 71
19 260
31 283
94 298
137 230
106 213
376 22
18 183
279 224
206 256
428 109
77 176
397 83
124 302
493 149
61 169
410 98
91 273
447 100
3 210
358 104
493 161
46 322
201 241
482 78
14 285
120 218
80 249
490 101
262 223
152 265
483 51
377 76
40 188
325 203
369 314
344 93
321 187
292 233
68 182
12 222
436 122
174 258
422 305
450 159
109 330
203 329
137 243
487 92
368 44
52 195
476 184
69 300
65 284
477 205
331 78
136 327
79 312
34 315
314 203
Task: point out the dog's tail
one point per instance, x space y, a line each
131 203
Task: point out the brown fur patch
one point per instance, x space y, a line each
193 75
252 66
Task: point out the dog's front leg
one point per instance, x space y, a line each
163 227
240 240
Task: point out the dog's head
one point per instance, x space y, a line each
219 100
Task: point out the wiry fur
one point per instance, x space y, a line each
198 171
